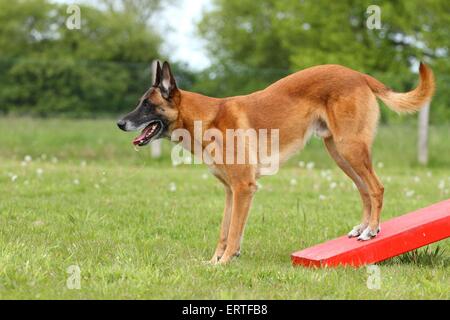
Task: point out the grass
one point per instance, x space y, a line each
87 199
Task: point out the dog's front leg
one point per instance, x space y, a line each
222 244
242 199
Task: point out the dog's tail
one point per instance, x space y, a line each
406 102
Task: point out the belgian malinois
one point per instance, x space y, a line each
334 102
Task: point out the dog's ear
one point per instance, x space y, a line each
156 73
168 85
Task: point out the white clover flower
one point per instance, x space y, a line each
301 164
83 163
380 165
293 182
416 179
27 158
333 185
409 193
76 181
441 184
310 165
54 160
39 171
14 177
172 187
322 197
429 174
38 223
204 176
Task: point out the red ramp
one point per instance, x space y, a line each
397 236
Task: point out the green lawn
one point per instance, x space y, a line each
140 228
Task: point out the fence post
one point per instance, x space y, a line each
422 147
156 149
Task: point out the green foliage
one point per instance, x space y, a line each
424 257
46 68
255 43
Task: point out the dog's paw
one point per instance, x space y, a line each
225 259
368 234
214 260
356 231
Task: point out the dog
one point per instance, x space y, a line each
336 103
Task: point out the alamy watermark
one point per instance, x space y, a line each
237 146
374 19
374 278
74 280
74 20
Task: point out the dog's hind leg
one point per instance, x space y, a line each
352 120
362 187
357 154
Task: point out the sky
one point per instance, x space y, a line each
182 39
178 28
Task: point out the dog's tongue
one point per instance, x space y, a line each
142 137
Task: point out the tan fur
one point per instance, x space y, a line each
336 102
406 102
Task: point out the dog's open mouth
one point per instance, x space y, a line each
151 131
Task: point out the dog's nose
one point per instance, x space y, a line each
122 124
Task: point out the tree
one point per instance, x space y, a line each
246 51
259 42
47 68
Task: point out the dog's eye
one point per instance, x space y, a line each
145 103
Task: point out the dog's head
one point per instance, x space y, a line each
157 109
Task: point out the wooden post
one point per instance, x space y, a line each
155 146
422 147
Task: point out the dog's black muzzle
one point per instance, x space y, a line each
122 124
